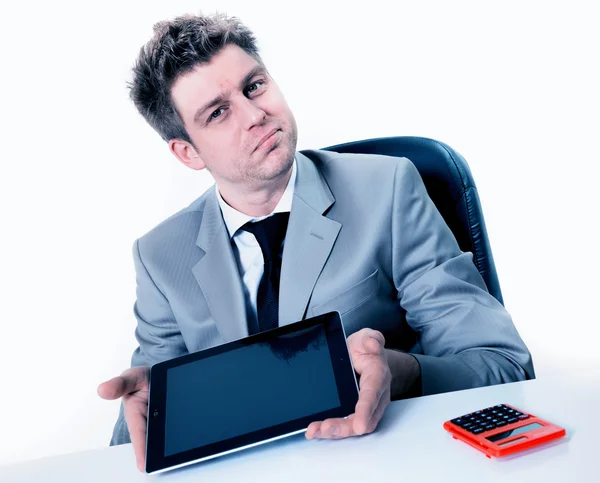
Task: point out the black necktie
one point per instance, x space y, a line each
269 233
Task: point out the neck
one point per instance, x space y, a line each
256 201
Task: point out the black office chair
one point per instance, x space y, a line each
450 185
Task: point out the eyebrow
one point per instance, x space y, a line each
259 69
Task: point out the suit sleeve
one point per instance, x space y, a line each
157 332
467 337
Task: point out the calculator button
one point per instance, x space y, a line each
524 416
499 424
490 426
512 420
477 431
457 421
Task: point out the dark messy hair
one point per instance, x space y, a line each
176 48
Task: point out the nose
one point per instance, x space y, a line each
251 114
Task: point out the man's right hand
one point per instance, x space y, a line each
132 386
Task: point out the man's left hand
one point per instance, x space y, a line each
370 362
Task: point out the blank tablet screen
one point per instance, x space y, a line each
279 380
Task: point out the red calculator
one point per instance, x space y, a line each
502 430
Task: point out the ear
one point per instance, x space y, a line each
186 153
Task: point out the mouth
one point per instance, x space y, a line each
268 139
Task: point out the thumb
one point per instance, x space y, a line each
131 380
372 344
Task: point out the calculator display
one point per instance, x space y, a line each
513 432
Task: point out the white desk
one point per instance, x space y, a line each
409 446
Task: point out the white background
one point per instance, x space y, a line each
512 86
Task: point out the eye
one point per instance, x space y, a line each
250 89
216 114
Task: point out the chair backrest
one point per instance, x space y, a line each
451 187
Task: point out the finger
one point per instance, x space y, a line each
313 431
373 385
336 428
135 411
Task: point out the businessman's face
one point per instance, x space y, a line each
229 107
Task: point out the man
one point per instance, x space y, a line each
363 238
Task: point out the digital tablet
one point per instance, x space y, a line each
248 392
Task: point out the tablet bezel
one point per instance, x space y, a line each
343 370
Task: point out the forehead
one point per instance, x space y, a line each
221 75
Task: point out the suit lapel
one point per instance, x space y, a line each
308 241
217 274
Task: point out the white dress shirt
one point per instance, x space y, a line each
249 256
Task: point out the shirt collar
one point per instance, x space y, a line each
235 219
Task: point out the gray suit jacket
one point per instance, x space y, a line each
363 238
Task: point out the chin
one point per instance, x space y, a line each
276 162
273 170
